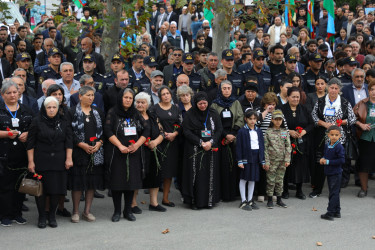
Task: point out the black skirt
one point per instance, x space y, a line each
54 182
366 156
83 178
153 173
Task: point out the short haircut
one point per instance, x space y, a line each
275 47
183 90
219 73
162 88
204 51
243 57
137 57
143 96
50 99
84 89
7 83
83 79
249 113
333 127
200 35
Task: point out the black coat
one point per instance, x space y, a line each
100 68
6 69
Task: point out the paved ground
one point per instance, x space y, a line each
224 227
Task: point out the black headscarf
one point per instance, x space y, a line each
223 101
196 117
119 109
51 122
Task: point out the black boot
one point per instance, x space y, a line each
280 203
54 200
299 193
270 202
40 203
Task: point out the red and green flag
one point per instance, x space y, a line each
310 17
330 7
80 3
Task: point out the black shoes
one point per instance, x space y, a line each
253 205
169 204
98 195
285 195
327 217
136 210
52 221
301 196
242 204
63 213
129 216
25 208
270 202
280 203
42 223
314 194
194 207
109 193
116 217
157 208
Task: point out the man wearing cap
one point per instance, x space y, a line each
207 73
149 65
53 70
156 83
188 69
89 66
250 99
315 64
117 64
264 78
23 61
311 45
235 78
323 52
349 65
173 69
290 65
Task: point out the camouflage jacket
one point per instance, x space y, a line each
277 145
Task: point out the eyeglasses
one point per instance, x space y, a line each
177 54
359 76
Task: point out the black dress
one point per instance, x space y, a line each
201 169
298 171
84 175
152 172
50 138
123 176
167 120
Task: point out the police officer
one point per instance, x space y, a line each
315 63
53 70
235 78
23 61
349 65
188 69
89 66
117 64
149 65
263 76
290 65
207 73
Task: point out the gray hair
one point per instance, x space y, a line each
183 90
18 77
220 73
173 23
18 69
7 83
83 79
84 89
143 96
212 54
225 82
47 40
45 82
66 63
291 49
129 90
330 61
335 80
354 42
358 69
50 99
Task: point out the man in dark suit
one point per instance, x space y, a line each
356 91
153 21
5 70
4 38
162 17
171 16
22 33
86 46
12 34
25 99
349 25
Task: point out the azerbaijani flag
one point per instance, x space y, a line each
289 14
329 6
80 3
208 14
310 17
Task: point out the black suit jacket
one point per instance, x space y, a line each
31 103
174 17
100 68
6 69
17 37
154 20
348 93
29 46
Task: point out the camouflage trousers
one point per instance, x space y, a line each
275 178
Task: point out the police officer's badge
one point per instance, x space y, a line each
209 82
135 90
229 53
170 84
100 85
41 79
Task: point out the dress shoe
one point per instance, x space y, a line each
326 217
194 207
337 215
52 223
98 195
169 204
285 195
42 223
129 216
63 213
25 208
157 208
109 193
136 210
116 217
301 196
362 193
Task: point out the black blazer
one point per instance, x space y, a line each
154 20
6 69
348 94
30 102
174 17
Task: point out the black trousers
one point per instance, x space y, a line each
187 38
128 197
334 183
11 204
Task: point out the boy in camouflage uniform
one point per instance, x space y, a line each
277 155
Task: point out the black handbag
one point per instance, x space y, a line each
351 146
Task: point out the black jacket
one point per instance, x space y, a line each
100 68
6 69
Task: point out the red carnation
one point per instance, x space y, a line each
293 145
215 149
8 129
147 141
294 152
339 122
132 142
93 139
299 129
223 141
176 126
10 133
35 175
39 177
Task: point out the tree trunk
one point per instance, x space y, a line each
110 37
220 28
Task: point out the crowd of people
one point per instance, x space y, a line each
283 109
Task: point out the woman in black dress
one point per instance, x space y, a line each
300 124
231 116
126 132
49 150
87 174
13 158
169 120
152 170
201 171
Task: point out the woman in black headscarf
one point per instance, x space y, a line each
231 116
49 150
126 132
201 174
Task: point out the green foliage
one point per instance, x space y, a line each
4 12
353 3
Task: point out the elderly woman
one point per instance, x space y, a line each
184 95
331 109
169 120
152 169
126 132
201 173
231 116
15 120
49 150
87 173
300 124
365 113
